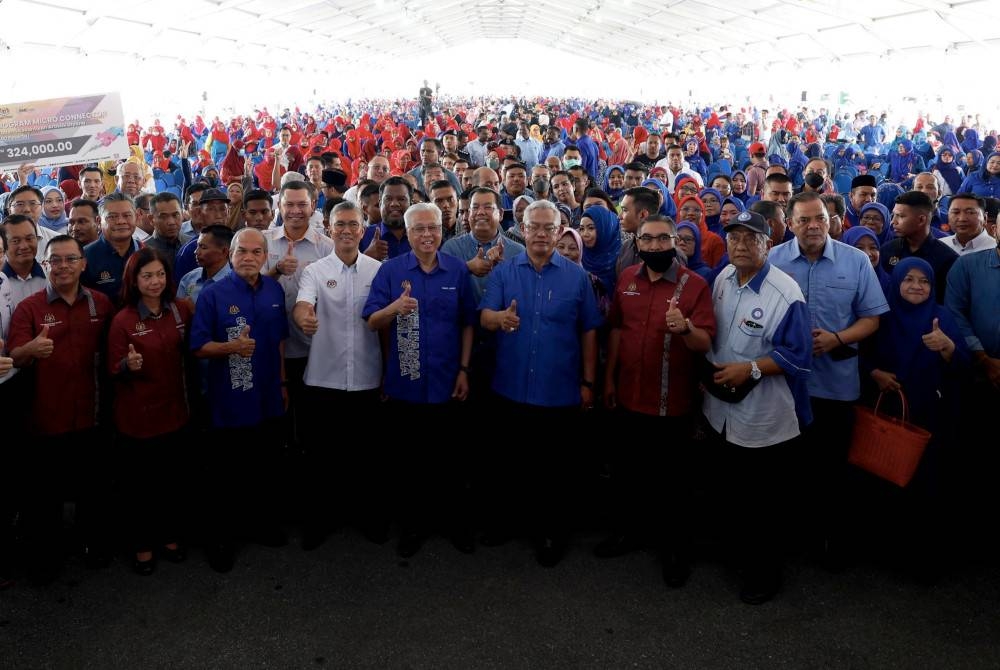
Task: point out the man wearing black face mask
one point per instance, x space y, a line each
661 320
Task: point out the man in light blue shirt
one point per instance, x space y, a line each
530 148
845 300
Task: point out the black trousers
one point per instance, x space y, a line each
430 477
76 467
245 480
526 484
653 481
827 441
156 487
752 491
341 469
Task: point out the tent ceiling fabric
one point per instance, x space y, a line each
687 35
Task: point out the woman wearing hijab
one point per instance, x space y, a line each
614 182
986 181
919 350
53 210
602 241
689 243
712 200
875 216
865 239
667 205
903 163
947 167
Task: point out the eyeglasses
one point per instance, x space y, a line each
18 241
56 261
423 230
25 204
686 239
535 228
664 238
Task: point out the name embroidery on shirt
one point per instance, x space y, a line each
408 341
240 368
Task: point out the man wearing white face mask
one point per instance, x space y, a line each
587 147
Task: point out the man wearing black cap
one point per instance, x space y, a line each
762 340
334 184
863 191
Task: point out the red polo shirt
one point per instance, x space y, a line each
638 310
152 400
66 397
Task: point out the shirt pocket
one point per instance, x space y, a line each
560 310
444 306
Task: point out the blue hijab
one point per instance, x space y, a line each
852 236
59 223
887 233
970 140
600 259
712 222
695 261
669 207
949 171
616 193
900 348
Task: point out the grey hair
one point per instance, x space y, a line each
346 206
116 196
421 207
539 205
242 232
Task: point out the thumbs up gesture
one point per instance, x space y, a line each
309 323
244 344
378 248
936 340
133 360
42 346
289 263
509 320
405 304
495 255
676 323
6 363
480 265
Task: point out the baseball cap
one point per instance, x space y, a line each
213 194
758 148
751 220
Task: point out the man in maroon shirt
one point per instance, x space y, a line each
661 321
58 335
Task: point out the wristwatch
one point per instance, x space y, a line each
755 372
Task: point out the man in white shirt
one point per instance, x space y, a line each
967 217
343 375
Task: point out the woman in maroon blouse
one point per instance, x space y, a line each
147 357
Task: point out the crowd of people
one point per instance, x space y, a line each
241 302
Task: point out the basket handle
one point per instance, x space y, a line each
902 398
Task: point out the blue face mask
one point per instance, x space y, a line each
571 162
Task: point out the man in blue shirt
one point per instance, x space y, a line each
388 238
588 148
845 300
973 296
107 255
546 366
248 398
423 301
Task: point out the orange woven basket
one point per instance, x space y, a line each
886 446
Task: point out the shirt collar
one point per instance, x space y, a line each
758 279
36 270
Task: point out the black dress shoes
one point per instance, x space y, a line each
409 544
549 551
463 541
760 585
616 545
143 568
676 570
221 556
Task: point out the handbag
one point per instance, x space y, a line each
705 369
886 446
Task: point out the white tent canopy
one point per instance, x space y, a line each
240 52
